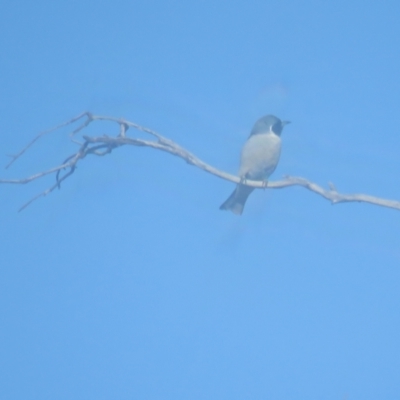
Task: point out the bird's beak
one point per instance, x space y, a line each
286 122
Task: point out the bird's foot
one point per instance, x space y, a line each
264 184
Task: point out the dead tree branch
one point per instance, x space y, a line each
103 145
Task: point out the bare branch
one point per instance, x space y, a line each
104 144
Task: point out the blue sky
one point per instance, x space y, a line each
129 282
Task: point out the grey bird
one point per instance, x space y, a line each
259 158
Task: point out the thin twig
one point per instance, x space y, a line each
14 157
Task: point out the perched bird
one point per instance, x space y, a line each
259 158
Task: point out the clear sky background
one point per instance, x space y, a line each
129 282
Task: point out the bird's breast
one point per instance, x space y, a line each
260 156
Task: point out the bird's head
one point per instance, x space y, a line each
268 123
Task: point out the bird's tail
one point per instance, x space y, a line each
237 199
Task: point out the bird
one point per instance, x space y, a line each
258 160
